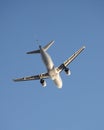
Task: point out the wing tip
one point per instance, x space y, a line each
84 47
14 80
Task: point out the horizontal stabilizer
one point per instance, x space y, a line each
32 52
45 48
48 45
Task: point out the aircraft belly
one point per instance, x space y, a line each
58 81
49 64
47 61
53 73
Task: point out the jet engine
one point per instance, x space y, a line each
43 83
67 71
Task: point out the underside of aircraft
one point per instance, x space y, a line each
52 71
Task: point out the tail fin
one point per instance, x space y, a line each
45 48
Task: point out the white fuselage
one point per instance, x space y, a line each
52 71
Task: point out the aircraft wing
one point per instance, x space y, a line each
70 59
35 77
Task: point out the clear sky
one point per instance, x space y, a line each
79 105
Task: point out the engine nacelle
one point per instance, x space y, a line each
67 71
43 83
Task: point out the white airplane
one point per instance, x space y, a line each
52 71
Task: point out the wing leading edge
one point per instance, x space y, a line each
35 77
70 59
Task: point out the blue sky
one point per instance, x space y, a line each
72 24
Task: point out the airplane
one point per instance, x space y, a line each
52 71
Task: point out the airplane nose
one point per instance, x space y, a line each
58 83
59 87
